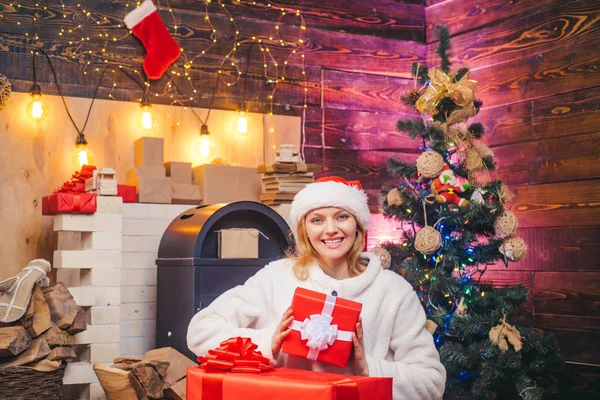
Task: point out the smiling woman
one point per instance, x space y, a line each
332 233
329 218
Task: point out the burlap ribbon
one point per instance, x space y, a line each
441 86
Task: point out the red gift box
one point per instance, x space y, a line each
127 192
284 383
71 196
65 202
322 327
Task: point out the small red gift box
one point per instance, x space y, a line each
322 327
284 383
127 192
69 202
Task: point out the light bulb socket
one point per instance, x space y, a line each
146 103
81 140
204 130
35 90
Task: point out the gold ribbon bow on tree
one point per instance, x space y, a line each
442 86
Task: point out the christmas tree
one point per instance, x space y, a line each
457 225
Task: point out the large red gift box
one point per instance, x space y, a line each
69 202
322 327
284 383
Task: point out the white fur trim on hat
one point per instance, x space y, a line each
330 194
136 16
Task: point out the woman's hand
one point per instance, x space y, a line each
281 332
360 360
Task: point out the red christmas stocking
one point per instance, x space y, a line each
161 49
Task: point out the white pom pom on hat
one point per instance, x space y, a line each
331 191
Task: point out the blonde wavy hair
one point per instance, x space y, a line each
303 253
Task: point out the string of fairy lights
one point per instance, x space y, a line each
96 40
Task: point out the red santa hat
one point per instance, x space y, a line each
331 191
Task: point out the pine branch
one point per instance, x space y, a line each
401 168
476 130
420 71
414 127
444 46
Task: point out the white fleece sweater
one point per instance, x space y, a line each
396 342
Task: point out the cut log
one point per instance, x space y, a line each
37 319
178 363
147 374
44 365
13 340
62 353
79 324
119 384
127 360
176 391
62 305
38 350
149 379
160 366
57 337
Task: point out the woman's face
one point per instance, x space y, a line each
331 231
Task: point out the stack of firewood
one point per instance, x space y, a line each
42 338
159 375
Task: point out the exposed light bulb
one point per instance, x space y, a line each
83 155
146 120
242 123
204 146
37 109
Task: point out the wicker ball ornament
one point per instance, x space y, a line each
428 240
506 224
5 91
384 256
393 198
430 164
514 248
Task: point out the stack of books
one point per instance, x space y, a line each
282 180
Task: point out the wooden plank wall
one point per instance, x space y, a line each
537 64
357 59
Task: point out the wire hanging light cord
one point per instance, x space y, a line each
34 75
79 131
209 105
243 105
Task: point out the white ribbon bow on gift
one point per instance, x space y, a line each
319 331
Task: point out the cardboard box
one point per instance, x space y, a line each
227 183
103 182
238 243
179 172
148 170
182 193
148 152
151 189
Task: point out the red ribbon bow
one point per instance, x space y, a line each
77 182
236 355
